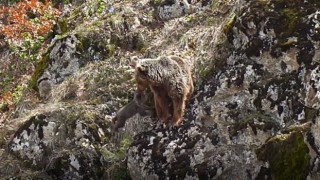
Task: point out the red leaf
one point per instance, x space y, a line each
33 3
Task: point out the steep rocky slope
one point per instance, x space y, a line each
254 113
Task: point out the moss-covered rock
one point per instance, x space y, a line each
287 155
39 69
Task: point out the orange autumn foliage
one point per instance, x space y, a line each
30 16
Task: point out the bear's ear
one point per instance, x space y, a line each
134 61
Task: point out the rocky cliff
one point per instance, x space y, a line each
254 113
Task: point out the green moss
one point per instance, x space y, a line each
190 18
4 107
227 27
284 44
118 169
89 115
72 116
206 70
157 2
289 20
108 154
39 69
101 6
111 49
215 5
121 151
288 156
92 127
83 44
120 172
63 25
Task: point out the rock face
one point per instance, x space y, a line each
266 84
254 113
64 58
64 146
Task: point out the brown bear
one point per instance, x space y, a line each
170 80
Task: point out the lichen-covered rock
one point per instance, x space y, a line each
89 41
189 152
64 142
64 58
32 139
169 9
77 164
264 85
262 41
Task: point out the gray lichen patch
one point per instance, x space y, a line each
254 121
288 28
32 139
171 9
64 59
175 153
76 164
190 151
